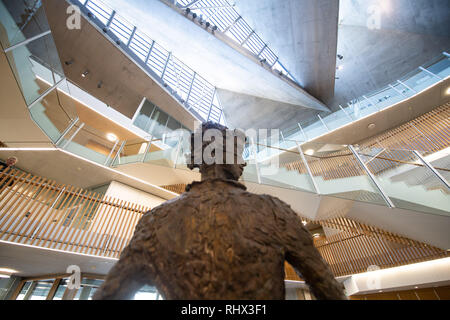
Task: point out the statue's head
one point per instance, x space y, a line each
217 151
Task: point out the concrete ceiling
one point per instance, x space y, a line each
409 34
124 83
33 261
304 35
267 114
212 58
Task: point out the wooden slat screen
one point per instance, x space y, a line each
41 212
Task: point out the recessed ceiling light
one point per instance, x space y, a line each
84 74
309 152
316 235
304 222
448 91
371 126
111 137
340 67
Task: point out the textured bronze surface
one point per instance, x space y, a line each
218 241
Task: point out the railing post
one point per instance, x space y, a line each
131 36
372 177
165 65
303 132
323 122
436 173
258 174
372 102
149 52
147 149
211 104
113 14
117 156
190 87
73 136
406 86
110 154
136 114
345 112
308 169
394 88
46 93
71 125
430 73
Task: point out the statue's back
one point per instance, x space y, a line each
219 244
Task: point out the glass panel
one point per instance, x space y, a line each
386 98
61 289
158 123
50 115
407 181
441 163
35 290
147 293
441 68
336 120
419 80
87 289
133 151
285 170
338 173
23 292
142 120
21 20
89 143
34 66
314 130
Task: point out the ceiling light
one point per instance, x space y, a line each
84 74
340 67
111 137
316 235
371 126
309 152
448 91
6 272
304 222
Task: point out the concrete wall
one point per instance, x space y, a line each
127 193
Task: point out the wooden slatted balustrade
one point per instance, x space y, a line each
40 212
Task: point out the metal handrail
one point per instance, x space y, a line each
222 15
168 70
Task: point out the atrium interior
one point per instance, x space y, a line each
345 105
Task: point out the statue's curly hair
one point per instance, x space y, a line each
201 130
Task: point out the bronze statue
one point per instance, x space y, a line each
218 241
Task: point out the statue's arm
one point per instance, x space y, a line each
132 271
306 259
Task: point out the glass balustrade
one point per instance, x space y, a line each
408 182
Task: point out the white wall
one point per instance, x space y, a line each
421 275
127 193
